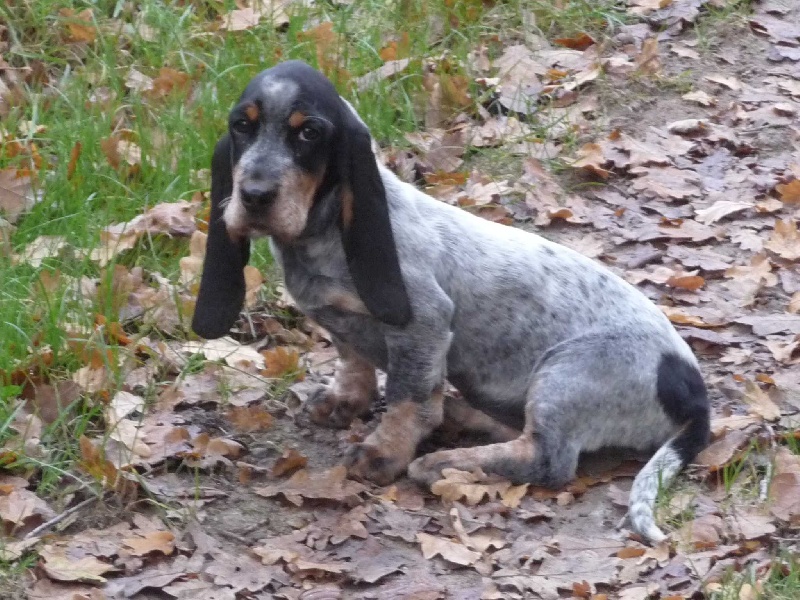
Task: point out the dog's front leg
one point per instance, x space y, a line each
354 388
414 385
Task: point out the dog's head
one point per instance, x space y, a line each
294 145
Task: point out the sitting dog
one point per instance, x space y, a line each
553 354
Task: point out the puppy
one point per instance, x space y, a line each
553 355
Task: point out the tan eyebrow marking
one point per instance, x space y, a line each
252 112
296 119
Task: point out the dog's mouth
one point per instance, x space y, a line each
248 231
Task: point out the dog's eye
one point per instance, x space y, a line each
242 126
309 134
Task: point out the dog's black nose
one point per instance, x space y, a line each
257 199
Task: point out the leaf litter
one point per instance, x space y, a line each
691 213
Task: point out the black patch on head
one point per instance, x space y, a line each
682 394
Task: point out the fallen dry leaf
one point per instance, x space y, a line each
249 418
42 248
168 81
729 82
386 71
138 81
721 209
643 7
794 303
768 324
750 526
759 402
789 192
785 240
784 488
281 361
648 61
16 194
60 567
721 425
721 452
225 349
290 461
519 84
209 451
700 97
328 485
80 26
372 561
580 42
250 16
686 282
21 506
174 219
49 401
152 541
452 551
123 153
240 572
475 487
44 589
703 532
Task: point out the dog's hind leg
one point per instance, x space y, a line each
608 388
539 458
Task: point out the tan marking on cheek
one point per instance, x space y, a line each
296 119
252 112
289 214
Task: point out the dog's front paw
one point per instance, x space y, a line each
365 461
330 410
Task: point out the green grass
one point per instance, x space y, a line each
781 581
176 134
720 21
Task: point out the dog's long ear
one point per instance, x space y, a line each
366 230
222 286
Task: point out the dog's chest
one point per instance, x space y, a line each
322 291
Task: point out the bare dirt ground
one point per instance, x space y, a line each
683 186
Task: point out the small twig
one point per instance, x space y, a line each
235 537
763 485
58 518
250 323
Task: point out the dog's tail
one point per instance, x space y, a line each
683 397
